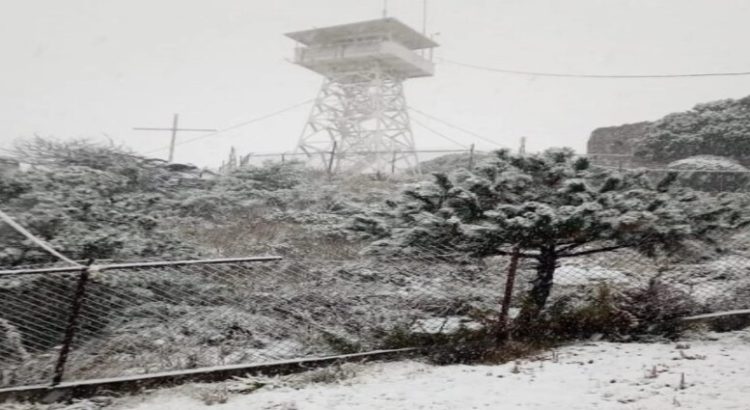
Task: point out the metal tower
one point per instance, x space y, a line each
360 121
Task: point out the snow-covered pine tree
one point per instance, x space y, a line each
552 206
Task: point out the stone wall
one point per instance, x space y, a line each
614 146
618 140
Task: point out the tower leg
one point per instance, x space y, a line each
365 116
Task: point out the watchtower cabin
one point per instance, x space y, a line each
388 43
360 120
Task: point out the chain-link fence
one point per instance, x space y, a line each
117 320
70 324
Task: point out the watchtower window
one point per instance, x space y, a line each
361 39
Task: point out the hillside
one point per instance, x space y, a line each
718 128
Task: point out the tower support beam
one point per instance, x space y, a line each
363 113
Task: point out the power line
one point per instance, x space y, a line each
174 129
594 76
235 126
456 127
439 134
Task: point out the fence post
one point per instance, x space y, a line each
510 282
471 157
70 329
330 161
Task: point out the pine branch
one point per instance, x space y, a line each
522 255
593 251
570 246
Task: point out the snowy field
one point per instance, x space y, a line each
599 375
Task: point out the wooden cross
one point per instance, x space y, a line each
174 130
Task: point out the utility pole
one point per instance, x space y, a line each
471 157
174 129
424 26
385 8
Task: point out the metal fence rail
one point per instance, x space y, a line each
121 320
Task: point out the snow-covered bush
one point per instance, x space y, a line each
657 307
91 202
713 128
451 162
271 176
711 173
551 206
593 311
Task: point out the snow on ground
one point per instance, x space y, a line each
576 275
599 375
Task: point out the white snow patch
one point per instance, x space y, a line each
584 376
576 275
447 325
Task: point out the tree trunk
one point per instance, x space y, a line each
541 288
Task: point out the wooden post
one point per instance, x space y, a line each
393 163
330 160
174 129
172 140
471 157
70 329
510 282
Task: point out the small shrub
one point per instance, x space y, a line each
658 308
217 394
340 344
465 346
582 315
326 375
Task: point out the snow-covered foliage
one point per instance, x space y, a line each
551 206
104 202
707 163
451 162
719 128
452 238
90 202
711 173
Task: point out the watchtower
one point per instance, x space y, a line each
360 121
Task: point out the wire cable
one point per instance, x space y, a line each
456 127
593 76
235 126
438 133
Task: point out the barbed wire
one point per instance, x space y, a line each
236 126
456 127
594 76
438 133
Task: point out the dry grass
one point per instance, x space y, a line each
249 235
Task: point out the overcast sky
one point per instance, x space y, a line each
93 68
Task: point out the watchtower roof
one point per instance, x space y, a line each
397 30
